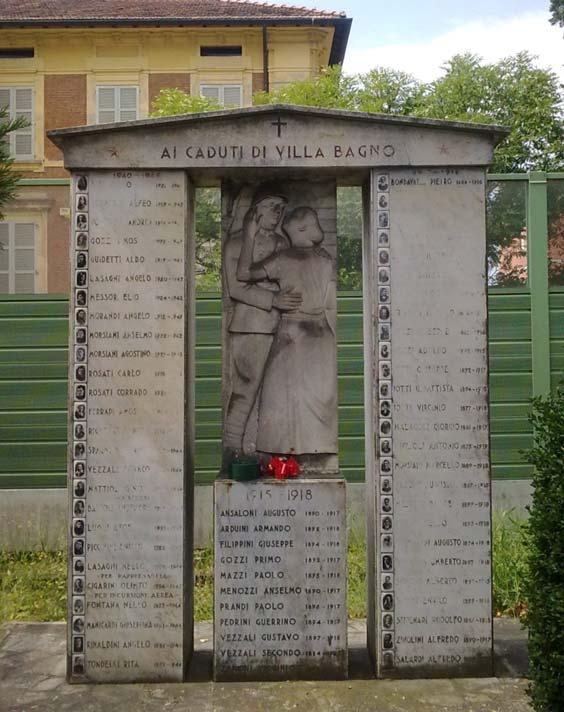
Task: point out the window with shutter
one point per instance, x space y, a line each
19 102
228 95
127 103
17 258
210 92
117 103
232 95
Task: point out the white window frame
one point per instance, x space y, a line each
117 106
12 114
11 271
221 89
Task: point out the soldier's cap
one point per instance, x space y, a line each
268 190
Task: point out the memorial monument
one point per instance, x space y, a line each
280 536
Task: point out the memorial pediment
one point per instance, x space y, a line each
280 136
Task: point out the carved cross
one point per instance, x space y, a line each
279 123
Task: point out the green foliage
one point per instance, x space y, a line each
331 89
203 584
208 240
545 581
506 220
170 102
389 91
8 179
33 586
356 575
509 542
349 238
513 92
557 12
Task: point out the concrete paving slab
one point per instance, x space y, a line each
32 679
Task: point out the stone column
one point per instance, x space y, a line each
130 459
280 545
428 472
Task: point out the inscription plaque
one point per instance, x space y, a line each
280 580
128 619
431 483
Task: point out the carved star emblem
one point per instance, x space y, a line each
113 152
443 149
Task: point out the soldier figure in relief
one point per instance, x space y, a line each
298 402
255 311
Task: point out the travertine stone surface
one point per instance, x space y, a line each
280 574
129 479
278 137
280 308
280 580
430 586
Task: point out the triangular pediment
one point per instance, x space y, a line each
278 136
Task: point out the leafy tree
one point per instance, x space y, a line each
545 580
513 92
8 179
557 12
331 89
389 91
170 102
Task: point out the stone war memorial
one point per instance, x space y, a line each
280 564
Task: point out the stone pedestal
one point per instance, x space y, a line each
280 580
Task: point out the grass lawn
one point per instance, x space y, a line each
33 584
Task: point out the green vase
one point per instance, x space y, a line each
244 471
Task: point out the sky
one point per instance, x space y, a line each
418 36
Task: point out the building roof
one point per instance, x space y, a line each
171 13
61 10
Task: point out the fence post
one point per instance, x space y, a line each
537 236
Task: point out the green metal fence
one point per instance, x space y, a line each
526 340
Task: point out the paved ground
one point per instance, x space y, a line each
32 679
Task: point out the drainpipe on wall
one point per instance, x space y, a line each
265 66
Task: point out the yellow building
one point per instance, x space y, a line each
65 63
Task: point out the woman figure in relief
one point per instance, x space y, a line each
298 401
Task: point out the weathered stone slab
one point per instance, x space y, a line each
278 137
280 580
129 476
429 482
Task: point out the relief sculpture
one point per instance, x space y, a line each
280 284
